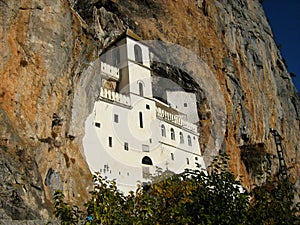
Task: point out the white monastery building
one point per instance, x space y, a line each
130 133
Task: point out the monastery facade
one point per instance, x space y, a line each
131 133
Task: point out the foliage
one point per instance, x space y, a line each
273 204
192 197
66 213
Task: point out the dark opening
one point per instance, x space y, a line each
189 140
110 141
172 134
141 119
147 161
126 146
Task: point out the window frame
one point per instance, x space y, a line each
163 130
116 118
172 133
138 53
141 89
181 137
189 140
145 148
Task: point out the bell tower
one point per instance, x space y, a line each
132 58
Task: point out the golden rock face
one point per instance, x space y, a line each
48 82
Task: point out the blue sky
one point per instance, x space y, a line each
284 18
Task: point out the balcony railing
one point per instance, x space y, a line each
109 71
114 96
176 119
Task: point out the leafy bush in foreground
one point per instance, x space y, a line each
192 197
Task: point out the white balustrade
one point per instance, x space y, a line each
114 96
175 119
109 71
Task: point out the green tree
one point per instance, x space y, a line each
273 204
192 197
106 203
66 213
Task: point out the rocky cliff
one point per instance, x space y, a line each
48 72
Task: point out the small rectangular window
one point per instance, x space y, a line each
97 124
110 141
116 118
145 148
147 106
126 146
185 104
172 156
187 161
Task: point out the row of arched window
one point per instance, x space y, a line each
173 136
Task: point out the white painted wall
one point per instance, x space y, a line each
184 102
130 51
139 74
129 163
114 162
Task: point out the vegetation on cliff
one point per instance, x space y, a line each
192 197
48 53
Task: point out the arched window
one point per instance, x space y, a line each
147 161
138 54
163 130
172 134
189 140
141 89
181 138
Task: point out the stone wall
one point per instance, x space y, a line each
48 74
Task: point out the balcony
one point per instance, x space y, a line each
175 119
109 71
116 97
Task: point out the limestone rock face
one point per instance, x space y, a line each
49 71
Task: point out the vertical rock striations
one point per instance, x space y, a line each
48 73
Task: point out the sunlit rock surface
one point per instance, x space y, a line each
48 72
